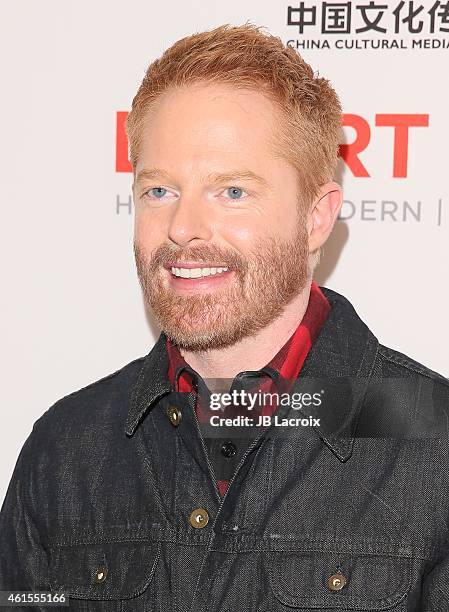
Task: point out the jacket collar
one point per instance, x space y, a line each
152 383
344 350
343 356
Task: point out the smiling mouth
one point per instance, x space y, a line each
197 272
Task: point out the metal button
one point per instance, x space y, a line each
174 414
100 574
228 449
199 518
336 582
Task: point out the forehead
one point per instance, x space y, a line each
206 122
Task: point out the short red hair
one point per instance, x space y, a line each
245 57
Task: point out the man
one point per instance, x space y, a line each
127 495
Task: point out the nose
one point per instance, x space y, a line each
191 220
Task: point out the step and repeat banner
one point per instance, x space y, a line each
72 310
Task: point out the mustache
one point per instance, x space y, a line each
166 255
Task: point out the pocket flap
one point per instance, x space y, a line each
371 581
109 570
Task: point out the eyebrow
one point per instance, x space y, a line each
150 174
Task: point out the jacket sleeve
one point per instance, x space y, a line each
23 560
436 588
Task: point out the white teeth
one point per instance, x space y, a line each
196 272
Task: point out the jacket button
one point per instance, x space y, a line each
336 582
228 449
174 414
199 518
100 574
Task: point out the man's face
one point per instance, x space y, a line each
209 194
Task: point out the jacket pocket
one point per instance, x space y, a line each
339 581
108 576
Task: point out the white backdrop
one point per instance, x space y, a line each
72 310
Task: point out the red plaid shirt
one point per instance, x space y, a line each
288 361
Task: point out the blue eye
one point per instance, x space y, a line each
158 192
235 192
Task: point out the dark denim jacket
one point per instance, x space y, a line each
353 515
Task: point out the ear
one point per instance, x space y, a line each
323 214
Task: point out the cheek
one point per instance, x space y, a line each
246 234
148 231
240 235
283 221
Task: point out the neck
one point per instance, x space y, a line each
254 352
